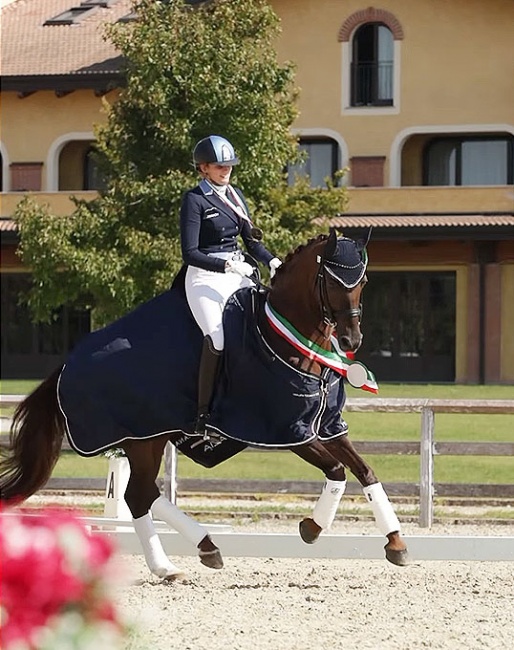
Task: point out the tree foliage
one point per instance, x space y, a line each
192 69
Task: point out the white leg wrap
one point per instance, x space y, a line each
326 507
155 556
385 517
165 511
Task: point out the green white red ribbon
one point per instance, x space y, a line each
354 371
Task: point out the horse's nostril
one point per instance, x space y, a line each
345 343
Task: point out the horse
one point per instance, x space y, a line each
132 385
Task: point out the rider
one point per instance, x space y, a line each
212 215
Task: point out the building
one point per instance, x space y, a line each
415 99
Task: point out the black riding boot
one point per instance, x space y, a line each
207 376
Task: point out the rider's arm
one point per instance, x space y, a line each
254 247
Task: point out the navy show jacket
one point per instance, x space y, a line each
208 225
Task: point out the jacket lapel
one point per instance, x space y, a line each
211 196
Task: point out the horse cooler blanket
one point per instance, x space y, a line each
137 378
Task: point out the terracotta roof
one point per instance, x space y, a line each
422 220
388 221
31 48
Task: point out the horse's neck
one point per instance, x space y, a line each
311 329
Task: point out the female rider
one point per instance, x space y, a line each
212 215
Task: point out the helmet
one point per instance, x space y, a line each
214 149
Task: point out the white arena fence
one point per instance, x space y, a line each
427 448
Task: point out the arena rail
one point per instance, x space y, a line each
427 449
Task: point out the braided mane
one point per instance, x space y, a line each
299 249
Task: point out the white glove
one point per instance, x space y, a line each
236 266
273 266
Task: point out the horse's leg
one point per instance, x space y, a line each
146 457
208 552
141 492
383 511
325 509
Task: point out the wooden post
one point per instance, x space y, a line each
170 472
426 469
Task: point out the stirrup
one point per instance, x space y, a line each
200 425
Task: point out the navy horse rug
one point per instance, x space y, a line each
137 378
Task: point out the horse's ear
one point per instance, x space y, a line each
363 242
331 245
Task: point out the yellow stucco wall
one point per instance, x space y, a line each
443 42
30 126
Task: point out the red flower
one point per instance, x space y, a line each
50 565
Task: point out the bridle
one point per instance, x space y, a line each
328 314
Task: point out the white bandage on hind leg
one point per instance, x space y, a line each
165 511
385 517
326 507
155 556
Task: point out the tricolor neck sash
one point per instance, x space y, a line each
359 377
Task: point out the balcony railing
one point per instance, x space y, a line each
372 84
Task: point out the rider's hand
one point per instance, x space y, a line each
236 266
273 266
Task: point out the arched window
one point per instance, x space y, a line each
321 161
372 66
371 54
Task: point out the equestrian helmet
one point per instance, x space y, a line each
214 149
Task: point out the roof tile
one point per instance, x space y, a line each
422 221
30 48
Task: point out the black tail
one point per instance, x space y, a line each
35 443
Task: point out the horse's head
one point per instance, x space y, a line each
340 280
316 294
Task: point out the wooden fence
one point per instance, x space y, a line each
427 448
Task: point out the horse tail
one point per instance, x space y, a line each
36 437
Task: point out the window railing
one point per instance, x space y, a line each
372 84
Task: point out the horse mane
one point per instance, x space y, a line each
299 249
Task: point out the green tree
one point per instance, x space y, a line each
191 69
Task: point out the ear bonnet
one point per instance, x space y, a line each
346 260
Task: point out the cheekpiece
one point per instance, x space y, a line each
348 263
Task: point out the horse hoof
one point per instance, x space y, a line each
309 530
211 559
400 558
171 574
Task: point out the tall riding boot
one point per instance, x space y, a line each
208 374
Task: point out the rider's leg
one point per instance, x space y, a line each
207 376
207 293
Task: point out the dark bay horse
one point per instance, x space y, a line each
281 387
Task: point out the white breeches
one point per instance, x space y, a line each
207 293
